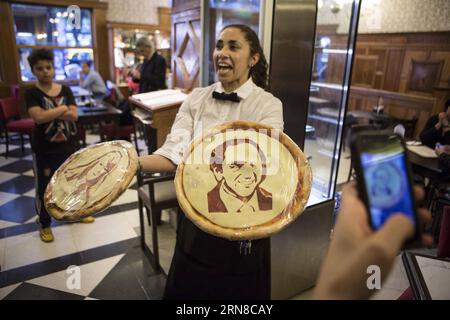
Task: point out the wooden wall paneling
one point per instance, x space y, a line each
185 5
360 51
111 67
186 35
393 69
164 18
399 105
8 54
365 74
443 56
178 29
424 76
407 67
101 44
401 49
442 94
382 54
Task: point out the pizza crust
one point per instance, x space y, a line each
294 208
88 209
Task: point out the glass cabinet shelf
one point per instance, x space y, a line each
328 96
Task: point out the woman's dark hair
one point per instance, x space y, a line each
259 71
447 104
87 62
40 54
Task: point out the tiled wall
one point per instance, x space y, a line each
135 11
391 16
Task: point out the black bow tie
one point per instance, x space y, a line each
226 96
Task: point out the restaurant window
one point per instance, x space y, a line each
48 27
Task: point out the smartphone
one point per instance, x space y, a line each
384 177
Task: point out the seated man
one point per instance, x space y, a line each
92 81
437 129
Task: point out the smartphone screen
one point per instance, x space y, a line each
386 179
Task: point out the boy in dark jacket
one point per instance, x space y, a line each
53 109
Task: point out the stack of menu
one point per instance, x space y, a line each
160 99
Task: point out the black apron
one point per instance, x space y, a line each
209 267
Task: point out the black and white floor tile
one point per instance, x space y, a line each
111 263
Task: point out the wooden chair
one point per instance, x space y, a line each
155 193
112 131
11 121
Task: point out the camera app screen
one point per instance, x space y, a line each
386 179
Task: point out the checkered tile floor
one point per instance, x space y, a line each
111 263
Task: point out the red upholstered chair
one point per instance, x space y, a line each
80 136
443 250
11 122
110 131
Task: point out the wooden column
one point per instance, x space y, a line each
100 43
9 64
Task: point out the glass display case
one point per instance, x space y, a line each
330 80
48 27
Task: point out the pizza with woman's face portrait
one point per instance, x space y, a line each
90 180
243 180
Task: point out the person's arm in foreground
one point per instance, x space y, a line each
355 246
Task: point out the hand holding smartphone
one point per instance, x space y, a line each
384 177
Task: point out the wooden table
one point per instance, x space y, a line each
428 167
102 111
160 108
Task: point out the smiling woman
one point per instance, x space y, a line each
230 60
206 266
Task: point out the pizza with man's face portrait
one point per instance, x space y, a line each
90 180
243 180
